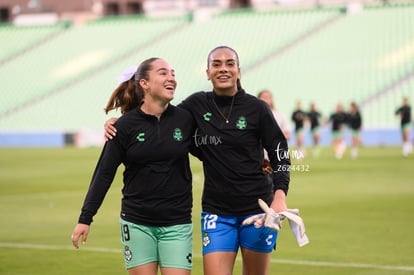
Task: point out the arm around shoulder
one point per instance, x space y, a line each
110 130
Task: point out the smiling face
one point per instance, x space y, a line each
223 71
161 83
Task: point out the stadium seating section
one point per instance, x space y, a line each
60 77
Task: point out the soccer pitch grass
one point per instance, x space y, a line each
358 215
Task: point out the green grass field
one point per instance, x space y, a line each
358 215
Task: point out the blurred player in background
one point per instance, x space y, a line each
281 119
338 122
354 120
298 117
314 116
152 142
405 118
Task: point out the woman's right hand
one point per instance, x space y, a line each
81 230
110 130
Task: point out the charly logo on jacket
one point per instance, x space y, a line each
141 137
177 134
241 123
207 116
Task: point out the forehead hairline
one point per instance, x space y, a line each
222 59
163 65
164 69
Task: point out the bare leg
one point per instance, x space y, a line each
255 263
355 145
316 138
219 263
174 271
407 146
146 269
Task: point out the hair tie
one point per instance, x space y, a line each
127 74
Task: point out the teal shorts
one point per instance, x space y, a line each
337 134
355 133
170 246
406 127
299 131
315 130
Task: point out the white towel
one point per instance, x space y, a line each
296 225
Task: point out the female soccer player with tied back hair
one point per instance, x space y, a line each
152 142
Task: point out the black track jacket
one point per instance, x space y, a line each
157 187
232 152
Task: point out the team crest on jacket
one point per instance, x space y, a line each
127 253
241 123
177 135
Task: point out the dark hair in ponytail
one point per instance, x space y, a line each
124 97
129 94
238 83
